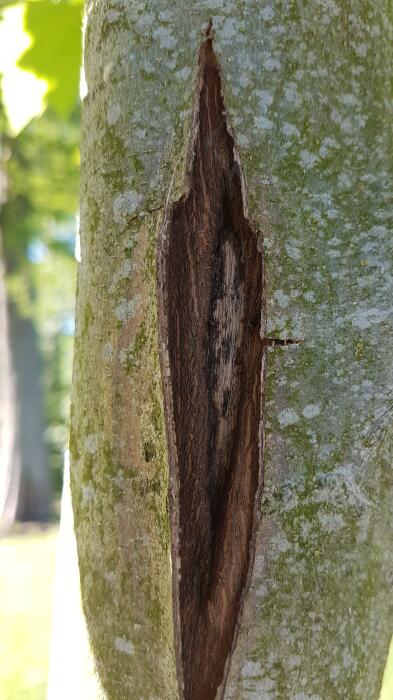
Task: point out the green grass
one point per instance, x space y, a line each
27 563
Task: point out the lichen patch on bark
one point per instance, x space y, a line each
210 300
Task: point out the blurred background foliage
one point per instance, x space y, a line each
40 58
39 181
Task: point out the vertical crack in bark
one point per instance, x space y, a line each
210 299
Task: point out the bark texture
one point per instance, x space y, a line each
308 94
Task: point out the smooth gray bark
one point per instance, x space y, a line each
309 94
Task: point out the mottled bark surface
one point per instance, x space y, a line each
307 88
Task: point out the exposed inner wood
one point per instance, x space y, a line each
210 301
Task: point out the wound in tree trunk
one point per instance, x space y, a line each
210 299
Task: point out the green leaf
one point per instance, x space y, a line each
6 3
55 53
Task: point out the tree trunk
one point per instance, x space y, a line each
9 462
33 502
235 287
25 480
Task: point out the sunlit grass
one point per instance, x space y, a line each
387 683
27 563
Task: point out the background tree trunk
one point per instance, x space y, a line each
308 91
34 484
9 461
25 479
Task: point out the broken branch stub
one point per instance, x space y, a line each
210 300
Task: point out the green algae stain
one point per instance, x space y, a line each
88 317
134 356
73 441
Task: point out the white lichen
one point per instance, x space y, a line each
127 308
91 443
107 352
113 114
88 493
311 410
290 129
164 37
125 204
287 417
267 13
307 159
251 668
263 123
124 645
